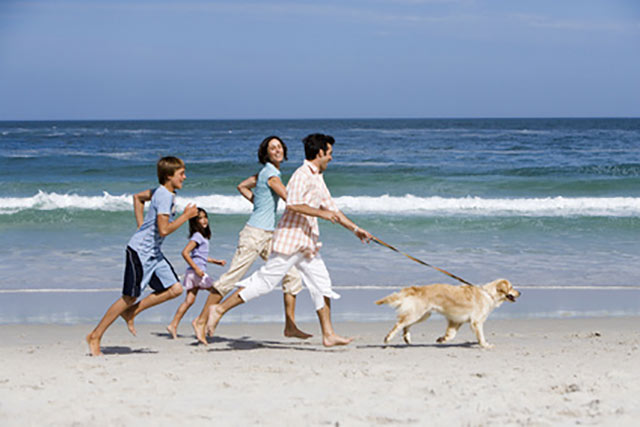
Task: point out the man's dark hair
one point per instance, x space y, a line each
263 150
314 143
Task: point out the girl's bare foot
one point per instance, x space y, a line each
172 330
333 340
94 345
292 331
198 329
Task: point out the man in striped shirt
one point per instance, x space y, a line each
295 241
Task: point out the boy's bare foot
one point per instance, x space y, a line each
94 345
292 331
198 329
333 340
172 331
213 319
128 316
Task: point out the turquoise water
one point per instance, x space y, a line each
538 201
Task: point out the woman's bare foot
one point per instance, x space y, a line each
128 317
94 345
172 330
198 329
292 331
333 340
212 320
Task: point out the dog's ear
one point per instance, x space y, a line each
503 286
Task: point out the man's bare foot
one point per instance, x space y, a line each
333 340
198 329
212 320
292 331
128 318
172 331
94 345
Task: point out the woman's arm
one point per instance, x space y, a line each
246 186
275 183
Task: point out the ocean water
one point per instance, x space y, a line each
551 204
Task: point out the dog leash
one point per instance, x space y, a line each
380 242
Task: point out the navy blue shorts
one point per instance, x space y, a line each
157 273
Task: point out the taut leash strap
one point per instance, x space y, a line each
380 242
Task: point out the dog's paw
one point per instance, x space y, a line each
440 340
407 338
487 346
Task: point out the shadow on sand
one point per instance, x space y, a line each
126 350
468 344
246 343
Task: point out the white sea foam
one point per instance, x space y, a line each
385 204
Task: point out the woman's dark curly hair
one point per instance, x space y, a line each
263 154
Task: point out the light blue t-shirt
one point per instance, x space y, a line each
200 253
147 240
265 200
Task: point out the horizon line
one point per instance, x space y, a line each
322 118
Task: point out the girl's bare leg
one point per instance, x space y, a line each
182 309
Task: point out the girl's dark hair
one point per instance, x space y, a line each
195 226
263 150
314 143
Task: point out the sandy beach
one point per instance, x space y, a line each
541 372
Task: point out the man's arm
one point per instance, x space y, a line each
138 205
333 216
165 227
245 187
360 233
319 212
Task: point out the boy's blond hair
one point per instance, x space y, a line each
167 166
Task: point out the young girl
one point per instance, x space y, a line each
196 253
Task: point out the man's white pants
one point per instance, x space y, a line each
313 271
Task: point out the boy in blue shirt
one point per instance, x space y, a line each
145 263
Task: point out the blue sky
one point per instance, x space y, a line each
187 59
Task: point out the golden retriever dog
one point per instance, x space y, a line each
459 304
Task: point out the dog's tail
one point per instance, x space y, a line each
389 299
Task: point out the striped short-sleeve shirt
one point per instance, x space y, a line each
296 232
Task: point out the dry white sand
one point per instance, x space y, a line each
541 372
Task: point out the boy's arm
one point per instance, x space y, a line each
246 186
165 227
138 205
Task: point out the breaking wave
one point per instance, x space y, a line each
405 205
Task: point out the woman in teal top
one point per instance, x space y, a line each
263 190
